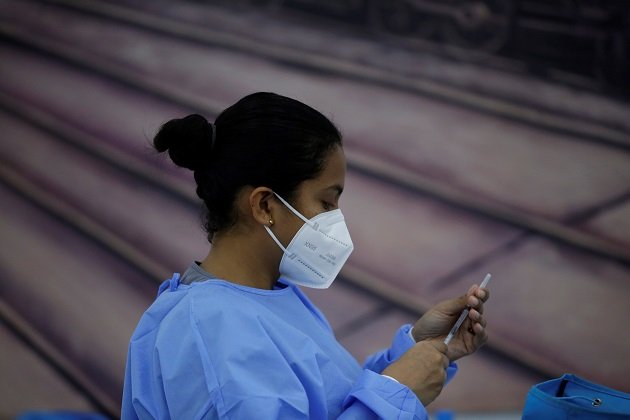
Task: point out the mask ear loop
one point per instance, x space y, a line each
297 213
275 239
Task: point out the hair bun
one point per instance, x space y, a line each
188 141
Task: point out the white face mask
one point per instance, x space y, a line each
317 251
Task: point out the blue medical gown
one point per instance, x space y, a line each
215 349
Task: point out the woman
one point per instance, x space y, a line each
234 337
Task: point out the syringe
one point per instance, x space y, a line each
464 314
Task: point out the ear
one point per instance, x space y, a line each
262 204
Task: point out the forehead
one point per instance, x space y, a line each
334 170
333 173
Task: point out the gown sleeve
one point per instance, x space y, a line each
374 396
252 374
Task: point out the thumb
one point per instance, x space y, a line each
439 345
442 348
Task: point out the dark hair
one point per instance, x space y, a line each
264 139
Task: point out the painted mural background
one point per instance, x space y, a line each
463 159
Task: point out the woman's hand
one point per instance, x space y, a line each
438 321
422 368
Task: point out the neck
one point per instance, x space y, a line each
240 261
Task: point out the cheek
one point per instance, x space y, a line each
310 208
295 226
292 224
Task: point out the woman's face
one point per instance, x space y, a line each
317 195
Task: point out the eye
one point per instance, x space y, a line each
326 205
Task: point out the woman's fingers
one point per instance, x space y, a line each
477 296
476 323
477 308
478 332
477 316
478 328
479 324
483 294
474 315
479 293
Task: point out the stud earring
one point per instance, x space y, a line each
271 222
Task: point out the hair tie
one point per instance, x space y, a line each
214 135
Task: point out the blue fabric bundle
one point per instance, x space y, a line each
571 397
